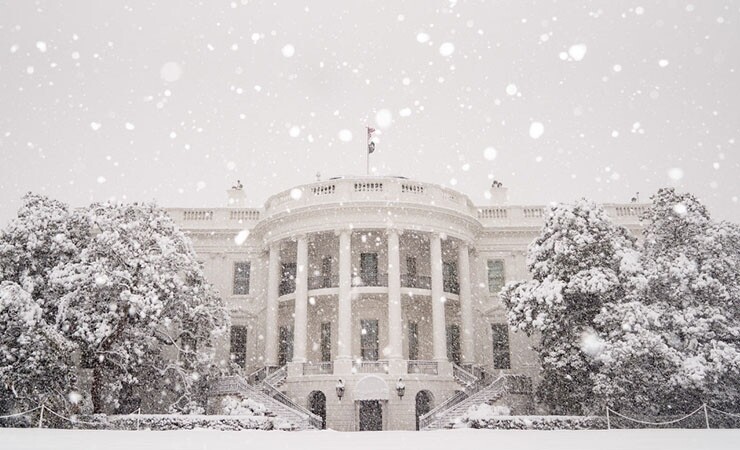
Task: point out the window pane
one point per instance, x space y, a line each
369 342
496 278
326 341
241 278
500 334
239 344
413 341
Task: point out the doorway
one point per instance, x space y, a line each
317 405
424 402
371 415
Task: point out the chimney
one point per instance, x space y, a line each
499 194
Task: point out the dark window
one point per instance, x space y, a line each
369 343
239 344
285 349
287 278
449 277
496 276
453 344
411 266
500 333
326 272
413 341
241 278
326 341
369 269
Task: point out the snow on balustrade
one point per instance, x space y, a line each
374 189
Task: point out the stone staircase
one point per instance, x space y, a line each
279 405
449 412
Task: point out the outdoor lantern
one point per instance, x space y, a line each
400 388
340 389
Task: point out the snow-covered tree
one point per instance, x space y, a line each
675 340
35 366
134 292
580 261
44 235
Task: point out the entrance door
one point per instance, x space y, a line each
371 415
423 405
317 405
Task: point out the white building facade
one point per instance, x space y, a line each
371 280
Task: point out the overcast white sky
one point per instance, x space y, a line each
175 100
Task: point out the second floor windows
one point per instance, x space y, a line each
496 276
241 278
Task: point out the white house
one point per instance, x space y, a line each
387 284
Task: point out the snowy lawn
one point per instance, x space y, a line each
17 439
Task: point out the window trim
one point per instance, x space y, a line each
235 277
489 266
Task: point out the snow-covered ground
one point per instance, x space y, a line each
17 439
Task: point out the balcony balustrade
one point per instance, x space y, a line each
370 279
323 282
286 287
371 366
422 367
416 281
318 368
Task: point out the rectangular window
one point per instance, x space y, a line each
239 345
287 278
369 343
326 341
449 277
496 277
241 278
453 344
411 269
500 333
326 272
413 341
369 269
285 349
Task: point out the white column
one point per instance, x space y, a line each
301 301
344 310
466 303
395 324
439 331
271 312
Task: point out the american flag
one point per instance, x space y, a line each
370 143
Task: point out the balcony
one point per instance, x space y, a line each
370 279
416 281
286 287
371 367
423 367
318 368
323 282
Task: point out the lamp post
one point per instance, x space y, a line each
400 388
340 389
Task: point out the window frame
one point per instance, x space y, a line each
246 275
491 277
501 348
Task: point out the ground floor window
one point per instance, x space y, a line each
239 345
317 405
285 349
500 334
